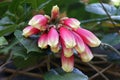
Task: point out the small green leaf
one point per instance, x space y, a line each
59 74
6 49
3 41
29 44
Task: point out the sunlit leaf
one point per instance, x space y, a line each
59 74
98 9
3 41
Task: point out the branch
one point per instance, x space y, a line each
7 61
23 73
107 13
110 47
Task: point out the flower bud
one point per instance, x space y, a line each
88 37
67 63
42 42
29 30
55 49
55 12
67 37
53 37
80 45
71 22
87 55
38 21
68 52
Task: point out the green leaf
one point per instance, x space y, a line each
29 44
3 7
14 5
59 74
25 62
8 29
10 46
19 51
112 39
5 21
3 41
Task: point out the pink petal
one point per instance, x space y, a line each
42 42
55 49
71 22
38 20
67 63
88 37
29 30
87 55
67 37
80 45
53 37
68 52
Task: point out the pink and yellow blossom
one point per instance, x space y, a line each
29 30
43 40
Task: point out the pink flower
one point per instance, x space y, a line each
87 55
53 37
29 30
67 37
80 45
38 21
55 12
67 63
71 22
88 37
42 42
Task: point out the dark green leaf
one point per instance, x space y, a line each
14 5
24 63
19 51
8 29
59 74
29 44
3 7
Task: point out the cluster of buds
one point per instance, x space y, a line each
62 35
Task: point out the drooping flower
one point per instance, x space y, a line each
71 22
67 63
80 45
53 37
29 30
38 21
87 55
67 37
88 37
43 40
64 35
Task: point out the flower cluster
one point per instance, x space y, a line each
64 35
